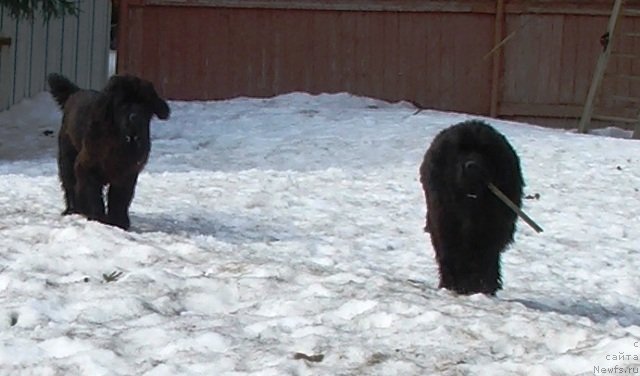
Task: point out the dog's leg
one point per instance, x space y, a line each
66 160
89 197
481 277
119 199
466 273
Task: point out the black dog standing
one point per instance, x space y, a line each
104 140
469 225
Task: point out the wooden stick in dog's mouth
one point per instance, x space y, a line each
496 191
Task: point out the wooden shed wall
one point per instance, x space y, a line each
437 54
76 46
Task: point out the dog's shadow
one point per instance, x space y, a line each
231 229
624 315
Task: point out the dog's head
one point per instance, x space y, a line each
130 103
483 156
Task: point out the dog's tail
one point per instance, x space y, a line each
61 88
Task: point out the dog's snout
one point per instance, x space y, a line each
130 139
472 169
471 166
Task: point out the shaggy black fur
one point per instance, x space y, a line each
469 225
104 140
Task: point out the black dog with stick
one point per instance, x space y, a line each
469 222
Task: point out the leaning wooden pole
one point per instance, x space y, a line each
601 66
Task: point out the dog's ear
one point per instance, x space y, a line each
115 90
103 108
161 108
157 105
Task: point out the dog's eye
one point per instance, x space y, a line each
127 139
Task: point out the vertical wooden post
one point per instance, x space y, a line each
636 130
497 59
601 66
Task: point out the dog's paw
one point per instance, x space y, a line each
122 223
69 211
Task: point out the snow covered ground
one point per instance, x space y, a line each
266 228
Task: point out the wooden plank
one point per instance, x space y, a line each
618 119
126 46
389 41
244 60
624 98
296 34
472 73
84 29
421 76
412 35
405 53
446 65
433 76
575 7
277 54
131 46
496 60
540 110
362 64
538 58
260 81
622 76
22 60
190 36
219 52
634 46
7 62
37 67
99 39
237 59
585 119
468 6
326 52
521 60
625 55
53 45
159 43
98 45
582 8
375 54
174 56
69 46
568 60
549 68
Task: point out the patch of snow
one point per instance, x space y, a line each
262 228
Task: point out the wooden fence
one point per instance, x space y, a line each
76 46
437 54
